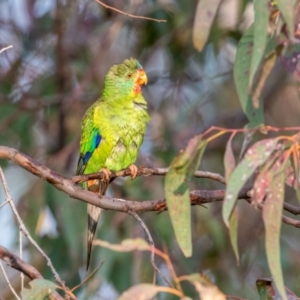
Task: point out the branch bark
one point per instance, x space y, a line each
16 263
69 186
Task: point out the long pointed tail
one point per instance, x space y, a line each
94 213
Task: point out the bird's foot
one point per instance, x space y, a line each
106 173
134 170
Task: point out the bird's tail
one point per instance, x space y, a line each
94 213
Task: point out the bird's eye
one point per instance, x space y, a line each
129 75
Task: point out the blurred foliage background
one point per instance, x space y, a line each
55 70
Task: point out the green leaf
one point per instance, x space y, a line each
233 233
40 288
261 186
272 212
241 78
266 69
229 160
177 191
265 289
229 164
205 15
141 292
256 156
287 8
260 36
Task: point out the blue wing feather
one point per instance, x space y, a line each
84 157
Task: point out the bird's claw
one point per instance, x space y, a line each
134 170
106 173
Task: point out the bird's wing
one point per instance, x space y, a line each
90 141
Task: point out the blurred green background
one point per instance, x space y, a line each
55 70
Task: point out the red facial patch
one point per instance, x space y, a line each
137 89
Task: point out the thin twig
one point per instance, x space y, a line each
284 219
4 203
143 171
6 48
127 14
8 282
18 264
27 234
151 243
21 256
87 278
170 267
291 208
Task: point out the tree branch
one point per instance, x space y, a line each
143 171
8 282
292 209
16 263
285 219
5 48
67 185
127 14
23 228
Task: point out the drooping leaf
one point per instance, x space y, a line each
204 17
265 289
206 290
141 292
39 289
256 156
260 37
177 191
287 8
241 78
296 172
272 212
233 233
248 137
229 160
125 246
289 174
265 71
261 186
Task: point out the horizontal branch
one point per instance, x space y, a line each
143 171
18 264
284 219
70 187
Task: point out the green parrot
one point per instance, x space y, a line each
113 130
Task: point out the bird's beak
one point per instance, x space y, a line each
142 77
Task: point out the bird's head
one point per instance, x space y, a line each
126 78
